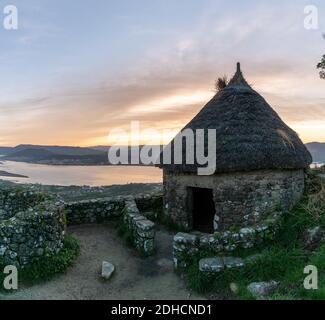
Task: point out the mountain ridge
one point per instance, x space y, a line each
96 155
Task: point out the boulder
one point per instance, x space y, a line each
107 270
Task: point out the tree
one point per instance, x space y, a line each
321 66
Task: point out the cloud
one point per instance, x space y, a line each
158 97
173 77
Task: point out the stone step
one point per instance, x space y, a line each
218 264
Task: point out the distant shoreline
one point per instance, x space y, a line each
11 175
76 164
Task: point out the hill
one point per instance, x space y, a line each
63 150
45 156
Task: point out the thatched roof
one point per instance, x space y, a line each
250 134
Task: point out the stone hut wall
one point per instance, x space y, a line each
241 199
31 226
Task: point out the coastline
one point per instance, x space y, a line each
76 164
67 175
11 175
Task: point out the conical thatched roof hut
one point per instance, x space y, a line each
260 163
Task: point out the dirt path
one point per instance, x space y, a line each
135 278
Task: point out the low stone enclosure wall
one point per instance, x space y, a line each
32 225
128 209
141 229
187 245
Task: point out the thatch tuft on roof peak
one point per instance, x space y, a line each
238 79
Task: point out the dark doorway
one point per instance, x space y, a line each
203 209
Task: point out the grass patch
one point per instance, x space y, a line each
123 231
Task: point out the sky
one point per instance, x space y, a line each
78 72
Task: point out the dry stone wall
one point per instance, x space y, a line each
32 225
142 229
94 211
187 245
101 210
241 199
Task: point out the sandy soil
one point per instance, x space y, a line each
135 278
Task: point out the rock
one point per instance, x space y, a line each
107 270
2 250
149 246
217 264
313 237
185 238
234 287
232 262
213 265
253 258
216 222
246 231
261 290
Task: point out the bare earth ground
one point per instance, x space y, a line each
135 278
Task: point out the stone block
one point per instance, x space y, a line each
233 262
185 238
213 265
218 264
107 270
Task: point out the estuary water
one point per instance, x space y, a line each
80 175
